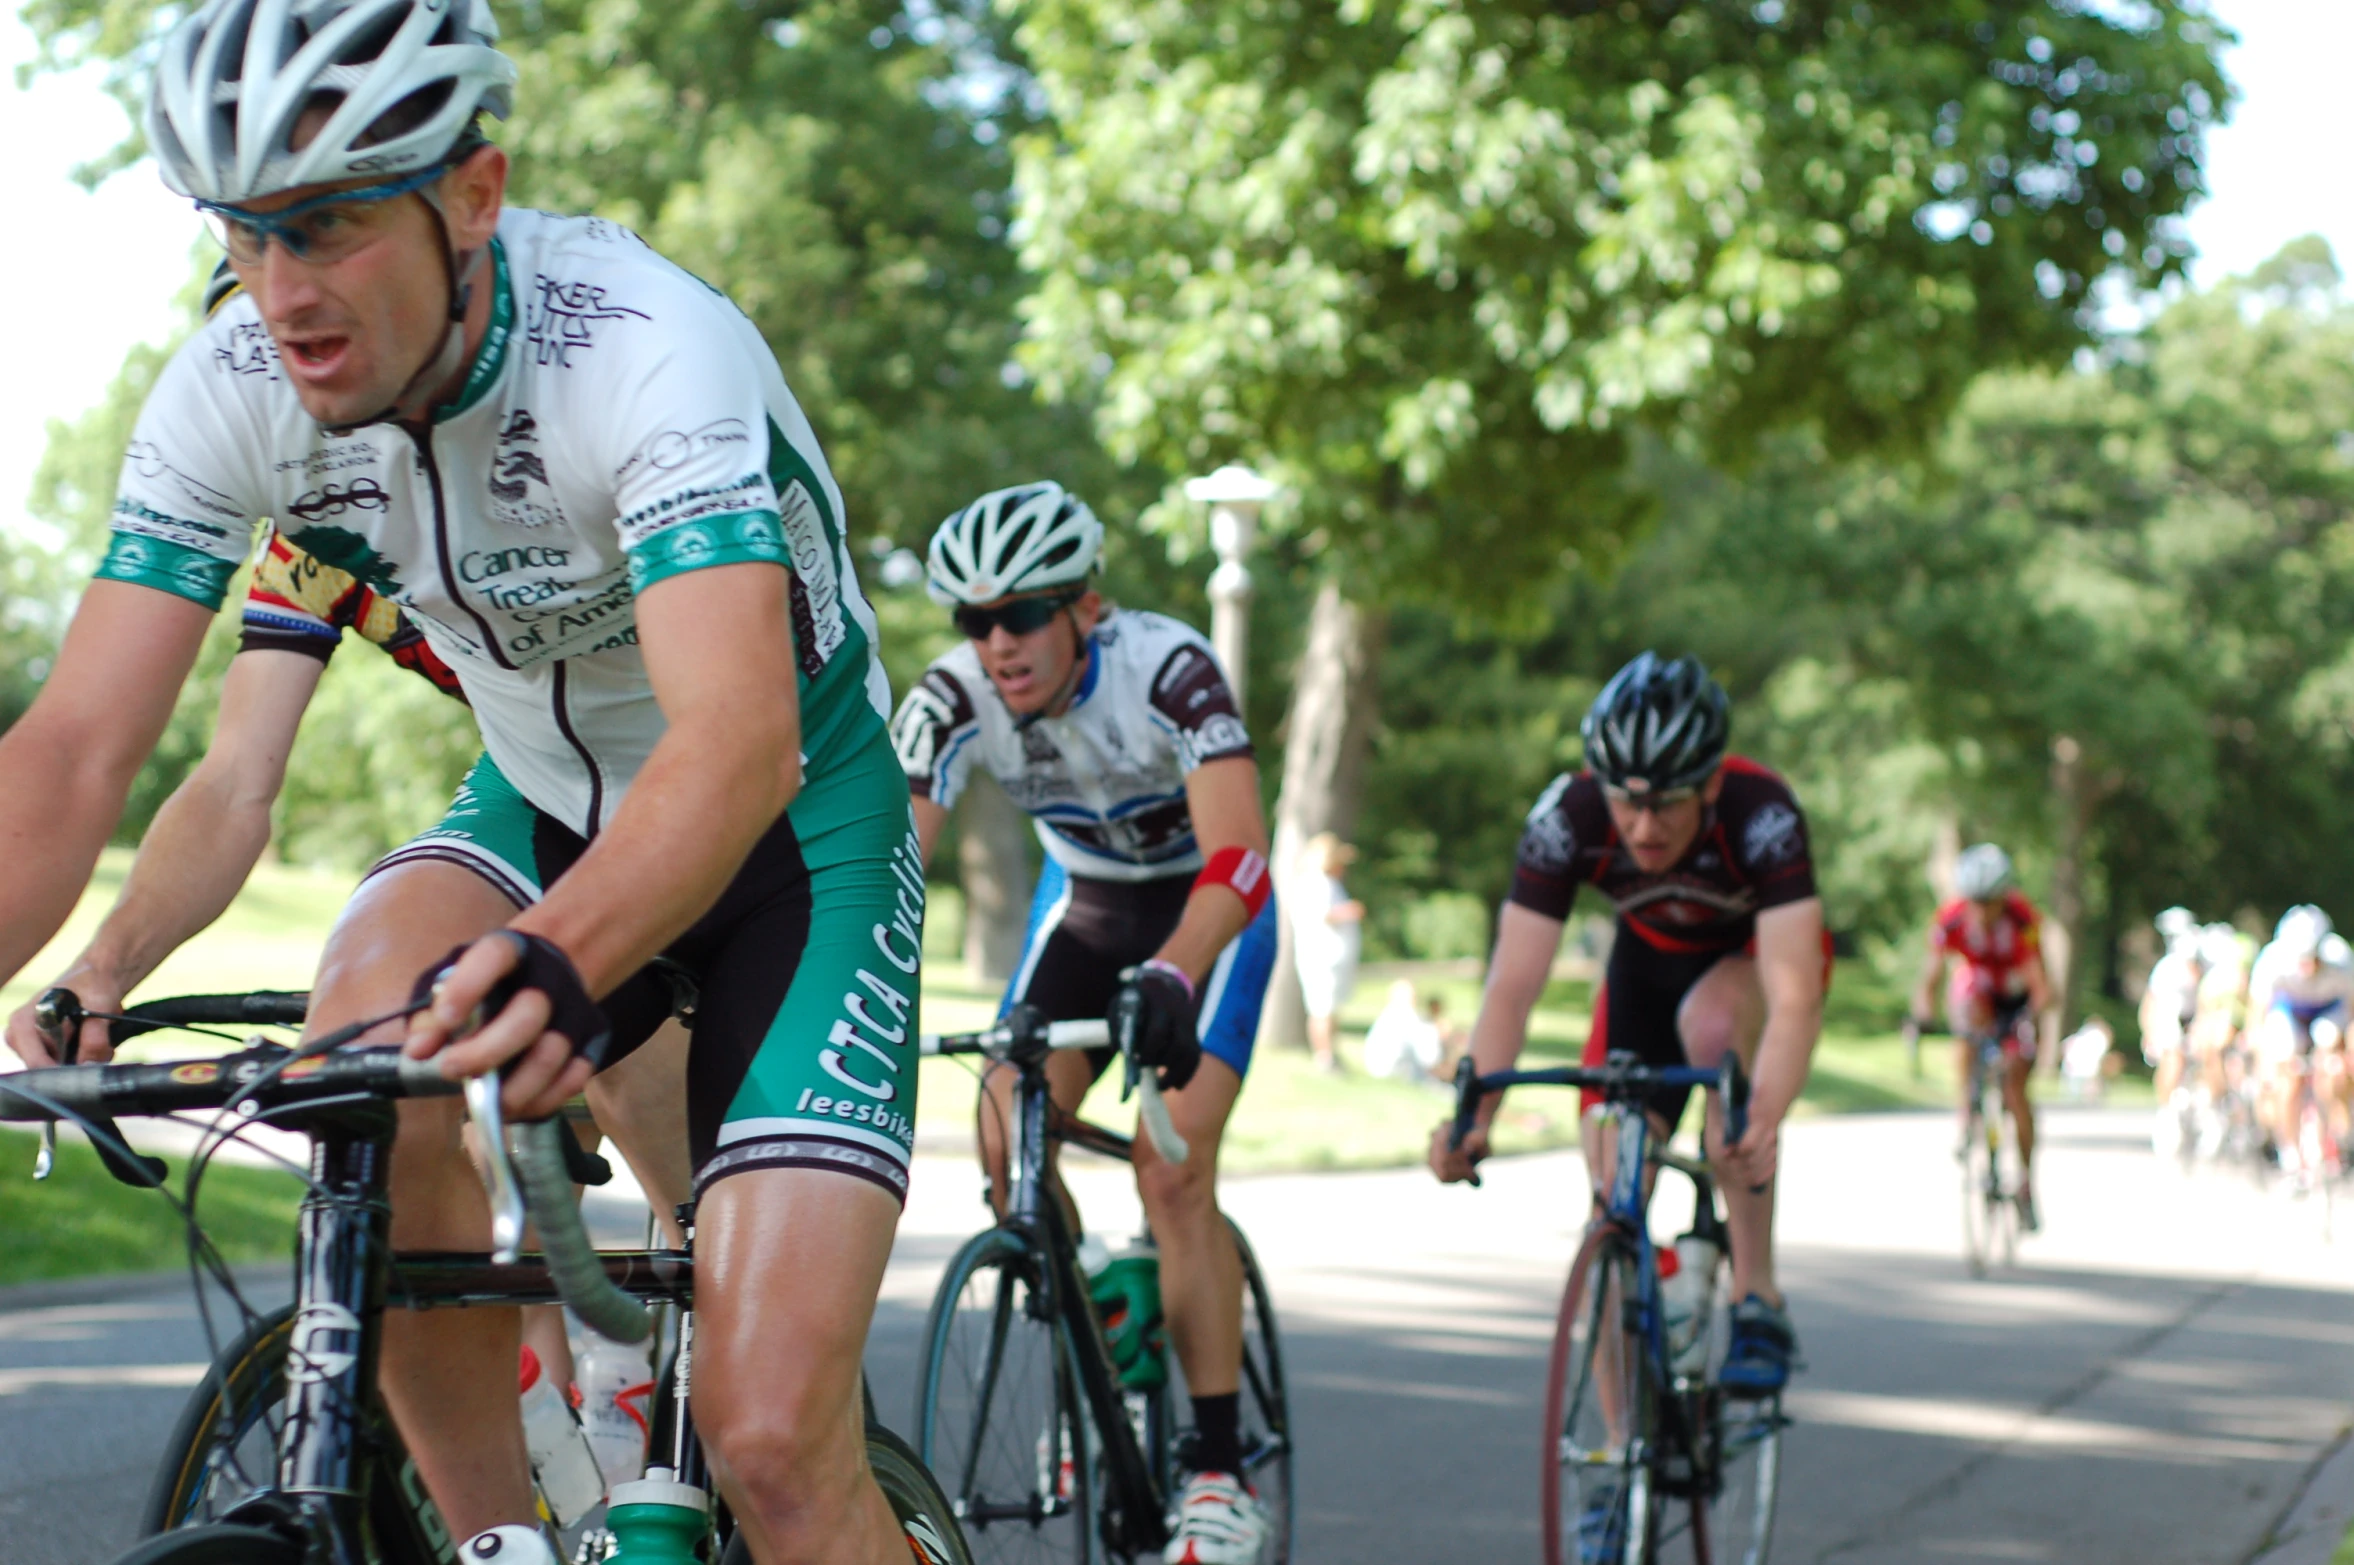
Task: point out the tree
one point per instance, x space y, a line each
1436 263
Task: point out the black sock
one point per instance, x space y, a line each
1217 1424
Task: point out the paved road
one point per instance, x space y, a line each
2155 1384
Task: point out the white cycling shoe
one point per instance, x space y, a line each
513 1544
1219 1522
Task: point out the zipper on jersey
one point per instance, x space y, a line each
423 439
596 809
558 685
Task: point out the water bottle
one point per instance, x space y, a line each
1696 1264
656 1520
1126 1289
560 1455
616 1380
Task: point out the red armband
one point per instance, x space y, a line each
1242 871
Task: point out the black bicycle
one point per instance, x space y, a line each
1646 1457
284 1454
1044 1454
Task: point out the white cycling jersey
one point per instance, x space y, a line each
622 423
2277 979
1105 781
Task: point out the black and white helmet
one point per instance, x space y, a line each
1659 724
238 74
1031 538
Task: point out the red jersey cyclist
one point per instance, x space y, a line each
1994 938
1719 945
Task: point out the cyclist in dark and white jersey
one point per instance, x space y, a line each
579 470
1118 733
1720 945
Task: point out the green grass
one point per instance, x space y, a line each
2344 1553
80 1221
1290 1117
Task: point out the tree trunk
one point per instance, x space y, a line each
2065 939
1328 737
993 858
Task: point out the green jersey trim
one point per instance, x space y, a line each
491 357
737 538
167 567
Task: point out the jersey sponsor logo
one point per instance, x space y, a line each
749 492
361 494
1549 844
565 317
481 565
147 461
132 517
521 494
249 351
331 459
673 448
813 568
1772 836
1222 733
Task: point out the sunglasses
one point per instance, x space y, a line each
1651 803
1019 617
322 230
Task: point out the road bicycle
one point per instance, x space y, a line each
2315 1161
284 1454
1020 1410
1646 1456
1994 1184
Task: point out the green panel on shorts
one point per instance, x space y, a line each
839 1061
489 825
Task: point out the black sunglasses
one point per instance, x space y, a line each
1019 617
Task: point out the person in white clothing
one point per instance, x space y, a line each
2299 993
1327 934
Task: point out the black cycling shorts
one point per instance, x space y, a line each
1635 1010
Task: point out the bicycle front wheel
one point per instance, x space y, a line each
1600 1416
999 1416
224 1446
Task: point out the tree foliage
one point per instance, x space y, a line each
1437 261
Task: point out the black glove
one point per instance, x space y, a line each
540 965
1153 1015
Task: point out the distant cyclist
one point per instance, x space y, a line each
1118 732
1994 938
1719 946
2170 999
2298 995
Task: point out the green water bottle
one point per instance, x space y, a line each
655 1521
1126 1288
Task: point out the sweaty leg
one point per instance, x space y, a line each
641 1103
1201 1271
787 1265
1726 1010
448 1376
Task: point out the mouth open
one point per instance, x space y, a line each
317 355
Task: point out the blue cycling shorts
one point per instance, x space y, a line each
1083 932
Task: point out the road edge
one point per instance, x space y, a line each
108 1287
2317 1519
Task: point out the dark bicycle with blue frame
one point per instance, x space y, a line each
1646 1456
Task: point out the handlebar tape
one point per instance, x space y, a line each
572 1259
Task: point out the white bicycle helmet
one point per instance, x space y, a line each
2301 930
1030 538
1982 872
238 74
2178 927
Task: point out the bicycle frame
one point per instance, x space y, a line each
1032 1211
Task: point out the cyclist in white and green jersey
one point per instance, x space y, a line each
579 469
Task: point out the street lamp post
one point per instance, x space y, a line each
1234 494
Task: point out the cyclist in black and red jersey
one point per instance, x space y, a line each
1720 945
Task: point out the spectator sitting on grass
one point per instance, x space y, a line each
1403 1041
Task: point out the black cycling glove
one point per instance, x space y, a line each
541 965
1154 1009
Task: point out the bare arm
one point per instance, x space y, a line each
1790 971
1526 943
67 764
1223 799
203 844
930 821
719 652
2039 984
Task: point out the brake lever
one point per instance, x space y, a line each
506 1192
58 1014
